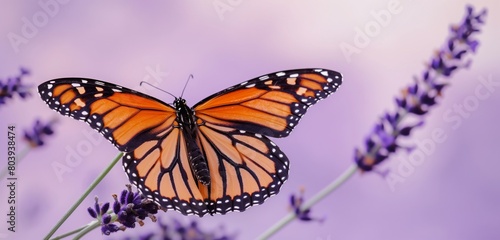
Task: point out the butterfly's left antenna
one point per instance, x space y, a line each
185 85
140 84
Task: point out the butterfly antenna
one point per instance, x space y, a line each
140 84
185 85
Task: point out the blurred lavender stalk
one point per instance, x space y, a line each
301 213
177 230
13 86
416 101
418 98
36 135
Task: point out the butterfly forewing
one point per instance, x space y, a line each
272 104
125 117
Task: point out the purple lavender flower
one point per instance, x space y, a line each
180 231
36 135
129 209
418 98
193 232
100 212
132 207
296 202
13 86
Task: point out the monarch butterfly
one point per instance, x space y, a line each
215 157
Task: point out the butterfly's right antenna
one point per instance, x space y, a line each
185 85
140 84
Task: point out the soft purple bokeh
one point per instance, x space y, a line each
454 194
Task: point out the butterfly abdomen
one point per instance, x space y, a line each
199 165
185 117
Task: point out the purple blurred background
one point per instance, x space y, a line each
454 194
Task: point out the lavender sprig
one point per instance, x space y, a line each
132 207
417 99
13 85
36 135
297 206
129 209
177 230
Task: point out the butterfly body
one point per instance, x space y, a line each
187 122
214 157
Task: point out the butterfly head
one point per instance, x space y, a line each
179 103
185 115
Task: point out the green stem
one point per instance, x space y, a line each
69 233
85 194
91 226
315 199
87 228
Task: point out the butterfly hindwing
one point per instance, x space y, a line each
161 170
125 117
272 104
245 168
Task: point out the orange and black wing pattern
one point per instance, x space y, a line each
245 168
125 117
160 168
231 130
270 105
156 159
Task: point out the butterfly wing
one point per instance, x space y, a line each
271 105
161 170
125 117
245 166
156 159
